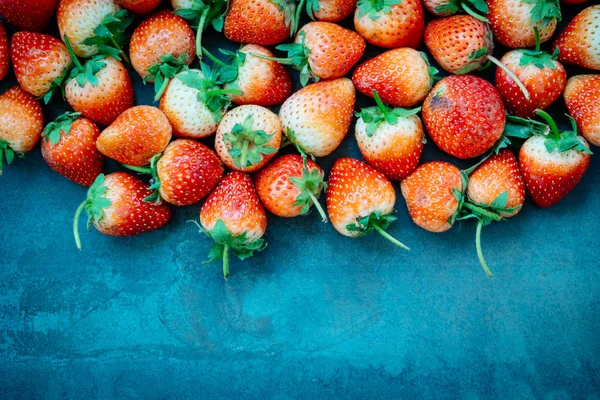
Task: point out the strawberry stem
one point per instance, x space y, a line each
317 206
73 56
550 122
472 12
389 237
226 261
213 58
76 224
199 32
212 93
511 75
537 38
285 61
244 155
479 251
482 211
384 109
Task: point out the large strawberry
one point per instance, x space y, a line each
514 22
262 22
234 218
401 77
115 206
390 24
553 165
157 59
41 63
248 137
579 42
289 185
446 8
136 136
69 148
4 52
317 117
139 7
390 139
464 115
582 96
21 123
28 15
360 200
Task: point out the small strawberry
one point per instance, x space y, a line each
464 115
514 22
248 137
28 15
234 218
317 117
390 24
4 52
579 42
41 63
402 77
582 96
446 8
329 10
136 136
139 7
390 139
115 206
289 185
434 195
69 148
553 165
156 59
322 50
262 22
21 123
360 200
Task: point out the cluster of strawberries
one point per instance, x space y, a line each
463 114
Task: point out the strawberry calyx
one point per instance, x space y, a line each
83 73
247 145
312 6
375 221
61 125
8 152
291 13
201 14
561 141
520 129
163 72
94 206
311 184
228 71
110 36
376 115
544 11
374 7
472 7
151 170
540 59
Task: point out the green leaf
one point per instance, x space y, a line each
477 54
500 201
446 9
61 124
544 11
220 233
480 5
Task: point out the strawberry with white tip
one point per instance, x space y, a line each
579 42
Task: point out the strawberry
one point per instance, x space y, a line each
136 136
446 8
139 7
28 15
234 218
115 206
553 165
262 22
390 139
434 195
289 185
322 50
329 10
69 148
579 42
390 24
360 200
158 60
317 117
582 96
21 123
248 137
513 22
464 115
402 77
4 52
261 82
194 103
460 44
41 63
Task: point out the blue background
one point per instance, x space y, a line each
316 315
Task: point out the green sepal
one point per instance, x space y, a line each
96 201
8 152
240 245
374 116
433 71
311 184
477 54
230 72
374 7
298 58
56 84
447 9
83 73
291 138
365 225
459 195
217 9
62 124
154 181
247 146
164 71
557 141
544 11
288 8
487 213
312 6
110 35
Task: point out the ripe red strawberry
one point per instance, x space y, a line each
4 52
28 15
234 218
391 24
248 137
40 61
402 77
464 115
262 22
290 185
330 10
139 7
513 22
446 8
579 42
360 200
390 139
21 123
317 118
433 194
460 44
69 148
157 59
115 206
582 96
553 165
136 136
